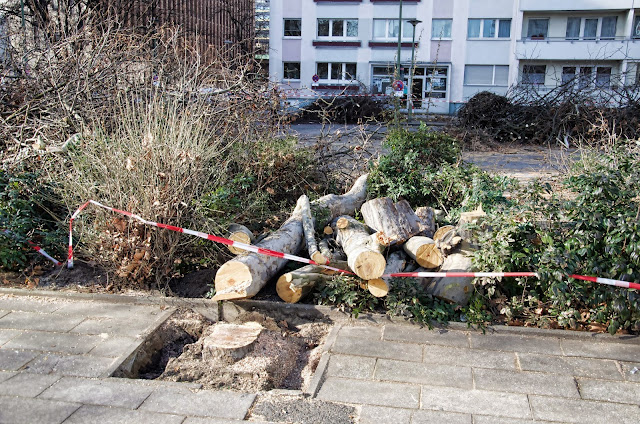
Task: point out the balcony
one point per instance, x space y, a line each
591 5
562 49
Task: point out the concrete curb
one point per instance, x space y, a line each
321 369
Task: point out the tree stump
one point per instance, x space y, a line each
424 251
361 248
230 342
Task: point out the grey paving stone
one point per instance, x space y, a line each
408 333
486 419
439 417
583 411
27 385
526 382
114 346
373 332
379 414
3 313
203 403
110 310
370 392
30 304
199 420
426 374
589 349
475 402
13 360
37 321
6 335
5 375
54 342
70 365
351 366
475 358
516 343
610 391
111 415
116 326
378 349
20 410
631 371
98 392
574 366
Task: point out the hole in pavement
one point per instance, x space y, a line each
185 349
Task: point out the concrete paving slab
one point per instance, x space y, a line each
589 349
111 415
75 344
630 371
583 411
199 420
476 358
351 366
574 366
372 332
501 404
378 349
610 391
514 342
37 321
438 417
107 310
30 303
6 335
27 385
205 403
13 360
115 326
413 334
114 346
370 392
426 374
70 365
5 375
107 392
379 414
21 410
487 419
3 313
526 382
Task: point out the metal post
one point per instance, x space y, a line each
399 41
413 23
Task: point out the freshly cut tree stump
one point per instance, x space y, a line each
308 226
427 217
424 251
396 223
230 342
455 289
395 263
245 275
361 248
295 285
240 233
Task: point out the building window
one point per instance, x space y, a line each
486 75
635 31
331 71
293 27
603 77
486 28
387 29
538 28
441 28
338 28
583 76
568 75
592 28
534 74
291 70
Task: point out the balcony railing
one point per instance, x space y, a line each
575 39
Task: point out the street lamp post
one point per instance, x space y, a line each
397 73
413 23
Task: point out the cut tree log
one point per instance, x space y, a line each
230 342
455 289
240 233
245 275
442 231
427 217
333 254
395 223
424 251
396 262
467 221
308 226
295 285
362 249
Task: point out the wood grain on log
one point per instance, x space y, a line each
295 285
424 251
396 223
230 342
362 249
396 262
239 233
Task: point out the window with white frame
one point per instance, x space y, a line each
538 28
486 75
441 28
291 70
387 29
293 27
593 28
635 31
336 72
489 28
587 76
337 28
534 74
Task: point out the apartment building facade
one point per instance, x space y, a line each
462 47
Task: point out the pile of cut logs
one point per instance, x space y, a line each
393 238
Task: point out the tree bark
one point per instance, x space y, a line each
240 233
361 248
467 220
396 262
428 220
244 276
424 251
308 226
295 285
395 223
455 289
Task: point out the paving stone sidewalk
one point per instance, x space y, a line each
57 356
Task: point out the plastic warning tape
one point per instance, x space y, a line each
607 281
36 248
461 274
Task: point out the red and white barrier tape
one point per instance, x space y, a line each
461 274
36 248
607 281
